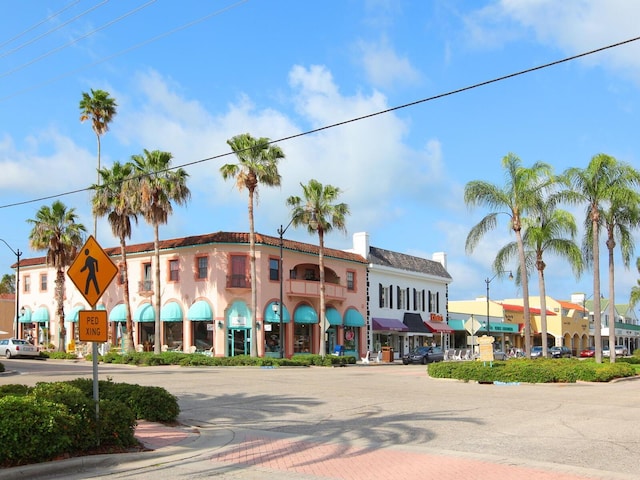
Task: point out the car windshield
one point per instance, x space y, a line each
536 349
420 350
19 342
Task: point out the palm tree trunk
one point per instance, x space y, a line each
323 308
95 217
254 289
612 304
128 339
597 317
525 294
60 309
156 248
543 312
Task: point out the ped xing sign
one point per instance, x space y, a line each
92 326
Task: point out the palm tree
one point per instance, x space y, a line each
100 108
522 191
634 297
602 181
157 187
115 198
620 216
257 164
546 230
56 230
319 214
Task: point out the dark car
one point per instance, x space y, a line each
423 355
560 352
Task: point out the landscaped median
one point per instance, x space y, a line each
535 371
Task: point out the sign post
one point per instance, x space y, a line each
91 272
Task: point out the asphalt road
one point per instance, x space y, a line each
592 426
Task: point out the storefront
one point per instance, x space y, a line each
304 318
200 315
172 326
238 329
387 332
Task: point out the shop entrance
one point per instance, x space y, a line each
239 340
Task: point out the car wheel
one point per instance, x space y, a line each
405 362
7 354
425 360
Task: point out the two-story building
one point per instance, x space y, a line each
206 297
407 298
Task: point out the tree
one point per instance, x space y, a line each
320 214
545 230
522 191
56 230
602 181
257 164
157 186
100 108
634 297
115 198
620 216
8 283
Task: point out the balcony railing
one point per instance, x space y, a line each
238 281
145 286
310 288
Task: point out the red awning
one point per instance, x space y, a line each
438 327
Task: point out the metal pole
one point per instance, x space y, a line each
488 321
281 309
17 326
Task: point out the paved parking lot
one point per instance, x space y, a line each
391 421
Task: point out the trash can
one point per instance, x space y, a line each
387 354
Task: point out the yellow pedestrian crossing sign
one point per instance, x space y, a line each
92 271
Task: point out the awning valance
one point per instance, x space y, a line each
171 312
353 318
388 325
305 314
200 311
438 327
414 323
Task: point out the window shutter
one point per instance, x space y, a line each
390 296
380 296
437 302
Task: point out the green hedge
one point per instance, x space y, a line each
532 371
52 419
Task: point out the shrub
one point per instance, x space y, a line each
117 424
1 367
14 389
154 404
33 430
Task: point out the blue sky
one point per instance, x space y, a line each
189 75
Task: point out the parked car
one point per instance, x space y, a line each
423 355
588 352
14 347
621 351
560 352
536 352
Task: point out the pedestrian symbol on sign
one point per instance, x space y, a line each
92 271
90 264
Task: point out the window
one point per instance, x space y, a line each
238 276
351 281
202 268
120 274
385 296
147 283
274 269
402 299
174 270
43 282
26 281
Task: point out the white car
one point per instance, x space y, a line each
14 347
621 351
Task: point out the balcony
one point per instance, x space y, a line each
238 281
310 288
145 288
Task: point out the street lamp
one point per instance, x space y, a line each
488 281
17 254
280 308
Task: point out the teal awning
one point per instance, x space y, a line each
171 312
353 318
26 316
73 315
118 313
41 315
238 315
305 314
144 313
333 316
200 311
272 317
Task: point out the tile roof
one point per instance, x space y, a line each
218 237
379 256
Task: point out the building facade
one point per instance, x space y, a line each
206 298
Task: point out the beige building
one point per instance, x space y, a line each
7 314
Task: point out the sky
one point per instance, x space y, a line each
187 76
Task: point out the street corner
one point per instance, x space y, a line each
154 435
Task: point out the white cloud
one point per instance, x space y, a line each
384 67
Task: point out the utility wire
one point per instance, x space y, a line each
62 25
50 17
363 117
76 40
127 50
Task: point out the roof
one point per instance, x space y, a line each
520 308
402 261
570 305
217 238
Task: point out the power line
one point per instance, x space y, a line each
363 117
